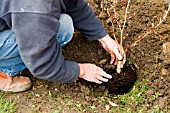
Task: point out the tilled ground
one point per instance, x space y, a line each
150 56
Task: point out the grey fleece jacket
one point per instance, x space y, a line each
35 23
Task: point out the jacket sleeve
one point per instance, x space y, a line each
39 50
85 20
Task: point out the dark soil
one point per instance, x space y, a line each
149 59
123 82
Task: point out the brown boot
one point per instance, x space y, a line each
14 83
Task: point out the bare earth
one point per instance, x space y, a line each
150 56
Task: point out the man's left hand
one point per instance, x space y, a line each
114 49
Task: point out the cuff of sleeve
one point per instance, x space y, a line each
75 71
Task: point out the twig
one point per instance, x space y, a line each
152 28
125 19
121 38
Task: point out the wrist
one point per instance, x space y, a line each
105 39
81 74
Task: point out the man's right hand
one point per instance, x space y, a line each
92 73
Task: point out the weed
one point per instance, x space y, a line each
6 106
131 101
30 94
69 103
102 99
49 94
130 62
156 96
157 110
92 107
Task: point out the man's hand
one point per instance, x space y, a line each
92 73
114 49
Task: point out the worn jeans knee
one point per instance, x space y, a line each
10 60
66 30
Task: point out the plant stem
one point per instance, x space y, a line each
121 38
148 32
125 19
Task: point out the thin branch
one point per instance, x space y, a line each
125 19
148 32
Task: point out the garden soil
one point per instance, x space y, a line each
150 59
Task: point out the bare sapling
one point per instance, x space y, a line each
121 38
121 26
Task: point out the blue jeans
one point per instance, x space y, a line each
10 60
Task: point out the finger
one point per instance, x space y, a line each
116 62
101 72
97 81
101 78
112 58
118 55
124 60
